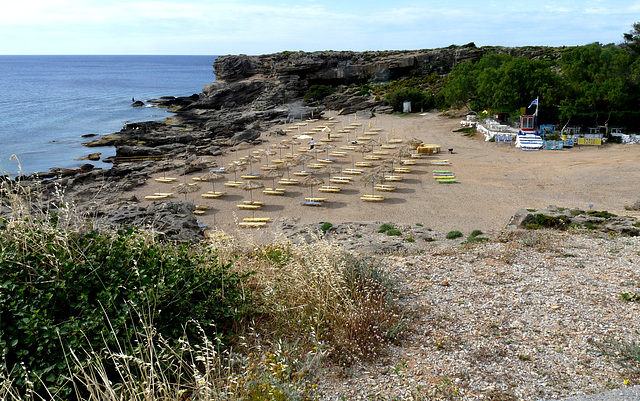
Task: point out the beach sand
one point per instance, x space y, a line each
494 181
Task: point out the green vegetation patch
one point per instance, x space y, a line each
326 226
454 234
541 220
601 213
63 291
317 93
475 237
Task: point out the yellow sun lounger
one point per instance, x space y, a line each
383 187
403 170
372 198
330 189
165 179
248 207
252 224
213 195
257 219
155 197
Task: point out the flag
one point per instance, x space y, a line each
534 103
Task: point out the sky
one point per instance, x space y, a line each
215 27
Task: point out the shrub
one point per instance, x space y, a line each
65 291
365 90
326 226
394 232
544 221
474 237
590 225
410 239
454 234
385 227
317 93
322 295
419 100
604 214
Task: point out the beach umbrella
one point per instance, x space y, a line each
329 170
273 174
364 148
185 188
250 186
311 181
391 160
234 168
303 158
288 164
404 151
328 147
373 178
267 153
282 146
251 159
213 176
414 142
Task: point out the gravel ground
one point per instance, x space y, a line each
519 317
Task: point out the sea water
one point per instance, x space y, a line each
48 103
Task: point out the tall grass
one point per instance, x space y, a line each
122 316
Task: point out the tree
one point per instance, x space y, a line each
632 39
600 82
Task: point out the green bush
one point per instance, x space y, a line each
544 221
454 234
317 93
62 291
590 225
604 214
419 100
385 227
394 232
474 237
326 226
410 239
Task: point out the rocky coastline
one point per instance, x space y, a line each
250 96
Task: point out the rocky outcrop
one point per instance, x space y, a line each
563 219
170 220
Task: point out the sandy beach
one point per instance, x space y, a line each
493 180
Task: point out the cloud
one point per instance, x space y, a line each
255 27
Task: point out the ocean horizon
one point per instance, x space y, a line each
50 102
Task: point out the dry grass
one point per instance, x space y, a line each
315 307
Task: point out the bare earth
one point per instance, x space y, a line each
494 181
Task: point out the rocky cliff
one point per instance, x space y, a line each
271 87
